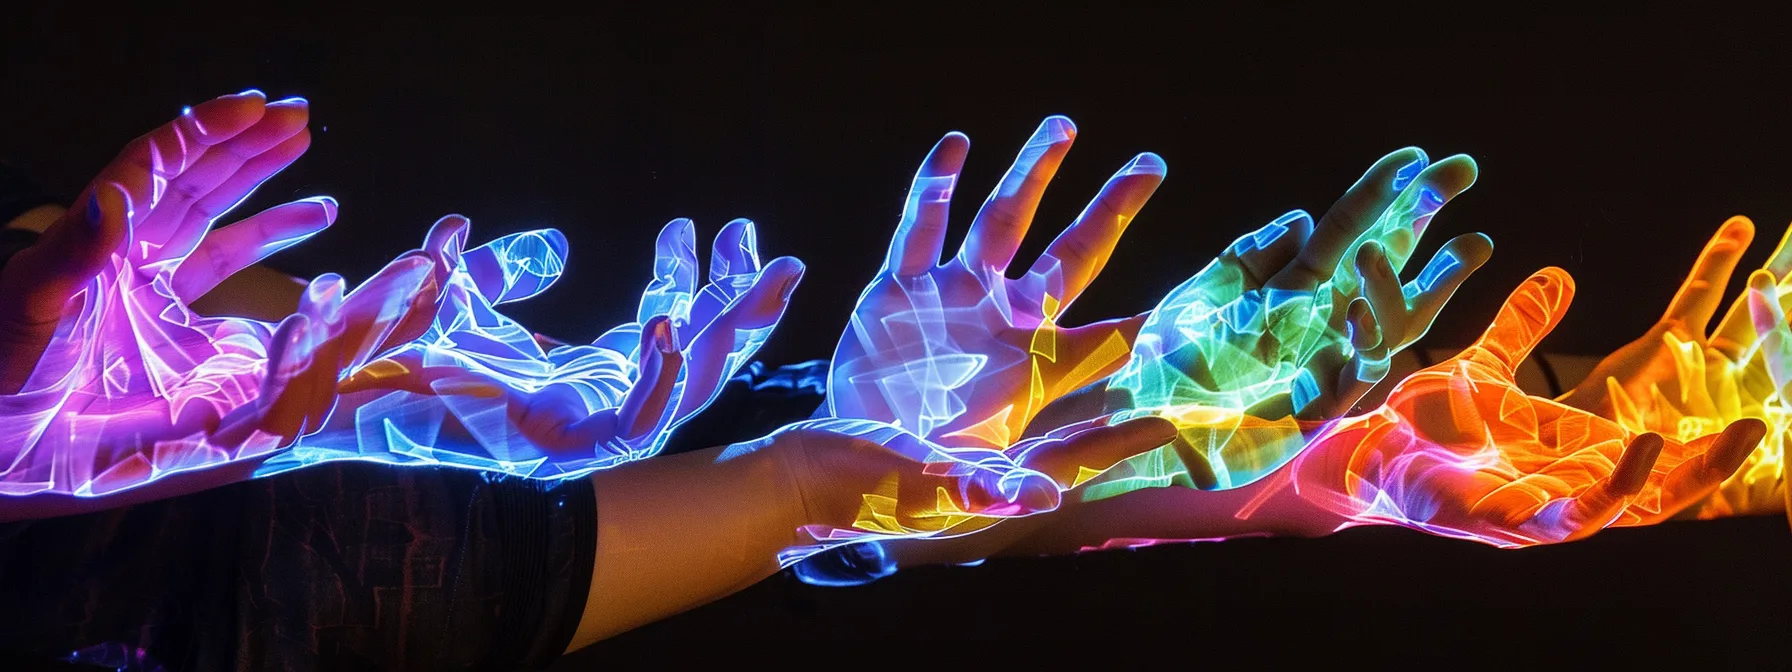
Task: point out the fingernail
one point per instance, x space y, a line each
253 92
94 214
294 100
1057 128
1407 173
790 285
662 337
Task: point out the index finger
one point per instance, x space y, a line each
1348 218
1529 314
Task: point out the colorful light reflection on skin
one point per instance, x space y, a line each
965 356
913 488
1293 320
960 354
478 390
126 393
1458 450
1681 382
126 385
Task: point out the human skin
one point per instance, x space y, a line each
1457 451
1684 377
678 531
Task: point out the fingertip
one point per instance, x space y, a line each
1736 443
1735 234
1056 129
676 235
1453 175
1371 258
1552 280
1146 163
659 331
947 156
556 241
1486 240
1636 463
1741 222
1472 250
1761 280
448 237
788 272
329 205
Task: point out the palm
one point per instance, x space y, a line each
1281 325
1680 382
960 353
1459 450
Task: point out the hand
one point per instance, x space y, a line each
1458 450
960 354
556 413
1681 382
863 481
1279 326
111 381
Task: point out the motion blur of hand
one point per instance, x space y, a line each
1294 320
111 381
863 482
1458 450
1684 379
480 390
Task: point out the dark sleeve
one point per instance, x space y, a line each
342 566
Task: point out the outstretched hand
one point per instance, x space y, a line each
480 390
1684 379
111 381
1295 320
1458 450
958 352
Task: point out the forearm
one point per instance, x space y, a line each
679 531
1269 507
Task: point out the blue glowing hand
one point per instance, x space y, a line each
479 390
960 354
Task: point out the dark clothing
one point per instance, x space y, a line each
338 566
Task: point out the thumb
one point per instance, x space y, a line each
68 255
1070 460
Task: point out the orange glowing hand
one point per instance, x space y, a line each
1458 450
1679 381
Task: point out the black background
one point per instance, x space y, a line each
1609 145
